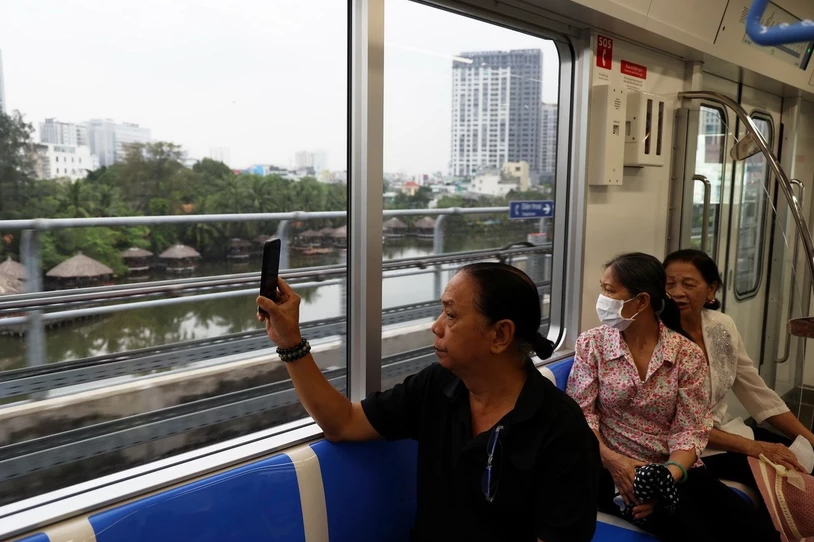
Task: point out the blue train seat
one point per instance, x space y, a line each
353 492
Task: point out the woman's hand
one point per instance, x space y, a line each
776 453
622 470
641 511
283 320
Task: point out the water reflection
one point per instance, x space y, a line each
141 328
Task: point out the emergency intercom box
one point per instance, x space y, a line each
645 125
607 135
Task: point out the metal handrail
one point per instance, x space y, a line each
782 178
22 302
44 224
787 347
705 212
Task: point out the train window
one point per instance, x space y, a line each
217 108
435 161
709 162
749 252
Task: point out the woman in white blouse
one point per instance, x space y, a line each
692 280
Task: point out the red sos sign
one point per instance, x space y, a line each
604 52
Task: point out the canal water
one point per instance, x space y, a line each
143 328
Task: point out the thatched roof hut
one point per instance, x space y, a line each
238 248
10 285
425 228
180 258
394 228
262 238
308 234
135 252
137 260
12 269
239 243
395 224
326 232
426 223
179 252
340 237
80 266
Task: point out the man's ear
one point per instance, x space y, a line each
502 336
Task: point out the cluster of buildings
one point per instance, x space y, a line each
305 164
69 150
503 137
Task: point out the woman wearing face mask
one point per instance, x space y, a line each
692 281
640 382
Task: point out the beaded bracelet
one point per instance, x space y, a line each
684 473
293 354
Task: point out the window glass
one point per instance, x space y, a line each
749 254
470 121
178 108
709 163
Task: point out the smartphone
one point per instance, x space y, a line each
270 271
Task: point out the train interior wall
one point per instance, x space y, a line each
633 216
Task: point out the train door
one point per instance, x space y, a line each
790 290
746 266
726 208
708 180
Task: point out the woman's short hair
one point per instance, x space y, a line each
506 293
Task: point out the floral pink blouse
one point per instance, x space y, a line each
645 420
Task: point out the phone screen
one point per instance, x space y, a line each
271 268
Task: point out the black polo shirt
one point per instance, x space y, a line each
547 462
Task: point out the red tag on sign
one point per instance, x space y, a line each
634 70
604 52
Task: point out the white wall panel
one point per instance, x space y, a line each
631 217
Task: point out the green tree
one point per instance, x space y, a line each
213 169
77 200
420 200
147 171
18 160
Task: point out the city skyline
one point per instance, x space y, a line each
266 88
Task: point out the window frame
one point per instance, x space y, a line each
570 192
764 116
723 116
365 111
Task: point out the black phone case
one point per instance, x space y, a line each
270 271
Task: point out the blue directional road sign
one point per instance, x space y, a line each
519 210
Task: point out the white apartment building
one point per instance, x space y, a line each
108 139
548 142
315 160
64 133
496 97
66 161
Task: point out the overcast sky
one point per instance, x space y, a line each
264 79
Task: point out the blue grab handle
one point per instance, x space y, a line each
777 35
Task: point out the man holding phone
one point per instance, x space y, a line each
502 453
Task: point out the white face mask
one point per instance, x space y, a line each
609 311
